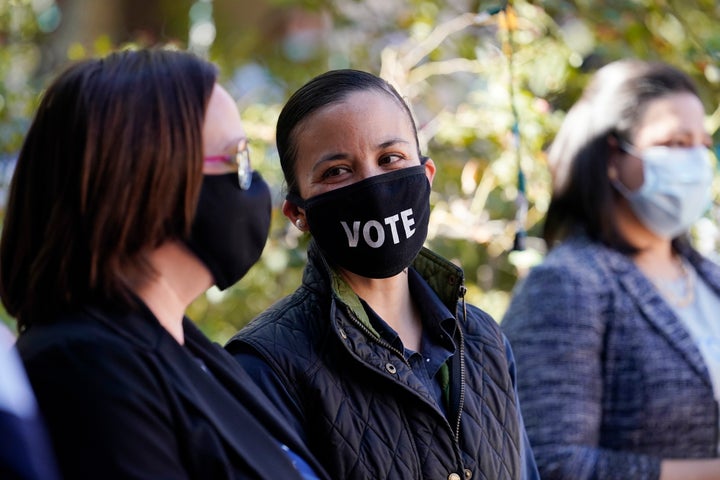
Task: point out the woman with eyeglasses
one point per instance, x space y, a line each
617 334
132 195
376 360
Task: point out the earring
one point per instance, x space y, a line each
299 223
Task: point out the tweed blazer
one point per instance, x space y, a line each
609 379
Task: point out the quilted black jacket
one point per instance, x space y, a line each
364 415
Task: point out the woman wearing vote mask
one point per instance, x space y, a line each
132 195
617 334
376 360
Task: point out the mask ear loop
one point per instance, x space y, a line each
296 199
623 145
622 189
628 149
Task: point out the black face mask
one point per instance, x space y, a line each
231 226
373 228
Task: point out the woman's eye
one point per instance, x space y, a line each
680 142
391 158
334 172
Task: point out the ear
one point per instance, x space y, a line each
429 170
296 215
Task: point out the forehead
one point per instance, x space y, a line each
674 114
222 124
365 102
363 113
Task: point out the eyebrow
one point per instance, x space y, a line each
341 155
392 142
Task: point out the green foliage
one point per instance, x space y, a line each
19 58
456 75
464 75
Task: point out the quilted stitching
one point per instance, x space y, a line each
387 428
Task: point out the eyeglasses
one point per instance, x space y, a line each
241 160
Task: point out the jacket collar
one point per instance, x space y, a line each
215 395
654 308
444 278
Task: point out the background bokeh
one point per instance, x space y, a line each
488 82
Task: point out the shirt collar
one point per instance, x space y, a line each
438 323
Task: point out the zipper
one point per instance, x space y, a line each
369 334
382 342
461 403
379 340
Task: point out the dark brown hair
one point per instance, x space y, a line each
322 91
611 106
110 169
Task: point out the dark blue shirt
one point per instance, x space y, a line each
437 343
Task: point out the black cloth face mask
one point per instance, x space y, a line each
375 227
231 226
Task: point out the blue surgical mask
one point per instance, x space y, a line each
675 191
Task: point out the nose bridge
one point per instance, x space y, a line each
369 167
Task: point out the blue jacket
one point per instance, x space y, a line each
362 411
610 381
25 451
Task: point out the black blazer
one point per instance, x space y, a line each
122 399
